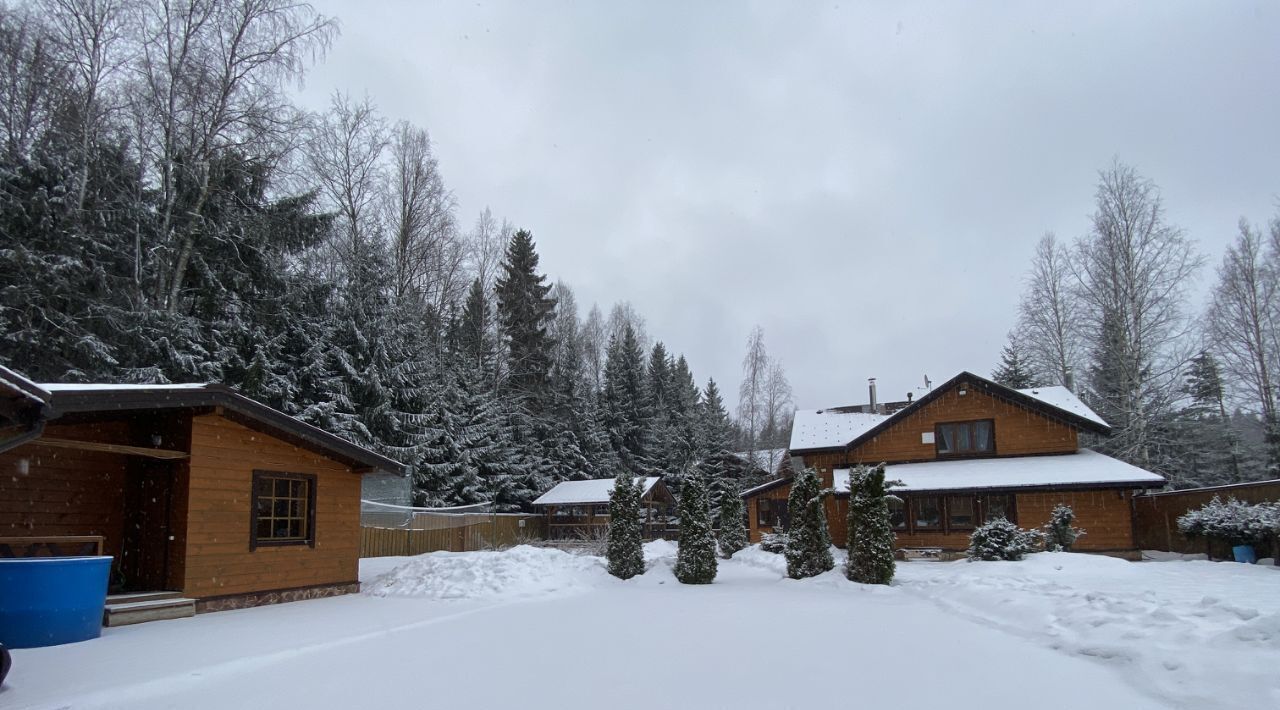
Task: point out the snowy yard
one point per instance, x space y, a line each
533 628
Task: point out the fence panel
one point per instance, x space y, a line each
451 533
1155 519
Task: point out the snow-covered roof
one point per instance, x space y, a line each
1064 399
1087 467
106 387
586 492
829 428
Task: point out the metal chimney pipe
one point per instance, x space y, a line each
871 386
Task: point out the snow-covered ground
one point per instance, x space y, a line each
536 628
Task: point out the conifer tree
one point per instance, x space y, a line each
870 542
625 551
733 529
626 414
808 550
696 557
1014 370
525 311
1059 533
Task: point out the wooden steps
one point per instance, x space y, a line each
138 607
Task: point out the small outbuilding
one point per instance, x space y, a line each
198 492
579 510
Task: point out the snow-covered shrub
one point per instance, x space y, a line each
870 541
1234 522
1059 534
733 530
624 550
774 542
1000 539
808 540
696 555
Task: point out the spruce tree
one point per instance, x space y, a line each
808 550
1014 370
733 529
625 551
525 311
696 557
1059 534
626 414
870 542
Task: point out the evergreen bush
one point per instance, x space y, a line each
1234 522
733 530
696 555
870 540
774 542
624 549
1058 532
808 540
1000 539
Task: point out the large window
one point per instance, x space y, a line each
999 506
284 507
965 438
771 512
927 513
961 512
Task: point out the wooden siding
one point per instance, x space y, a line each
50 491
754 529
1107 516
224 455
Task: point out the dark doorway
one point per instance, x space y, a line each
148 500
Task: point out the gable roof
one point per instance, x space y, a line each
595 491
835 429
76 398
1084 469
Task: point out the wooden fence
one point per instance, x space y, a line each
452 533
1155 519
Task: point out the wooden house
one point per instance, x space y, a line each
967 451
579 510
204 497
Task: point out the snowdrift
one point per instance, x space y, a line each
522 571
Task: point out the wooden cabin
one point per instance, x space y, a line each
970 450
579 510
199 493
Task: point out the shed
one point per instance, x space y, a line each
579 510
196 491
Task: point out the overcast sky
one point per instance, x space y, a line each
865 182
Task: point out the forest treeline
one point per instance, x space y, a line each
169 214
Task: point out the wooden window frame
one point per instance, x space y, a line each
764 505
969 453
906 516
944 509
310 538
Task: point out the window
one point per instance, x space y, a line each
965 438
999 506
927 513
960 512
897 513
284 507
771 513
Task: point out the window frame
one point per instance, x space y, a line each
970 426
942 514
309 539
973 513
1011 510
980 502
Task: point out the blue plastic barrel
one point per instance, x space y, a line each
46 601
1245 553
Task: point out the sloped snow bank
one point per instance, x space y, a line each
1200 634
522 571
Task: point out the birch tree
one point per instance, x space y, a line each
1049 315
1242 324
751 393
1132 272
421 222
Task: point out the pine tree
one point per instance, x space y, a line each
808 550
870 542
524 311
625 551
626 416
696 556
733 529
1014 370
